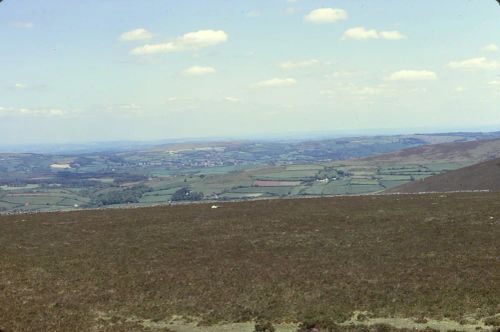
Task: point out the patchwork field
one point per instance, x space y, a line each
340 178
234 170
483 176
330 264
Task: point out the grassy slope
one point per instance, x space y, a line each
283 260
482 176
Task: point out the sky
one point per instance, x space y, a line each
108 70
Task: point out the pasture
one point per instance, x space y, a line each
227 183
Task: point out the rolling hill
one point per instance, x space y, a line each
466 153
482 176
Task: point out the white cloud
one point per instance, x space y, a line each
299 64
187 42
199 71
122 108
412 75
232 99
137 34
494 83
326 15
173 99
21 25
361 33
32 111
391 35
276 83
475 63
20 86
491 48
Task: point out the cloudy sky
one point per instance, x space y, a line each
93 70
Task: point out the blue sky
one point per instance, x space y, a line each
76 71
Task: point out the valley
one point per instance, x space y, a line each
224 171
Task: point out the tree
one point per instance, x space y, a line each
184 194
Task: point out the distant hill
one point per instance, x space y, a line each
482 176
466 153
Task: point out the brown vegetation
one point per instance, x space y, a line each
459 152
311 260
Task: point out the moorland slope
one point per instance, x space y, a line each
456 152
315 261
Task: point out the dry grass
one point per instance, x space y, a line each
462 152
312 260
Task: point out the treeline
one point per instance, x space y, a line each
184 194
121 196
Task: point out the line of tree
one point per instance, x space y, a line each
184 194
121 196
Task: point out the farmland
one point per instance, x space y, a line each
482 176
413 261
231 170
265 181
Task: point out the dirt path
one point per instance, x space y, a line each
180 324
409 323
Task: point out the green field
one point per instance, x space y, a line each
269 190
227 182
287 175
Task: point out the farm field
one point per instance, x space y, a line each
482 176
232 171
338 178
410 261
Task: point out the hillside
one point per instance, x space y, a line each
482 176
233 170
456 152
408 261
